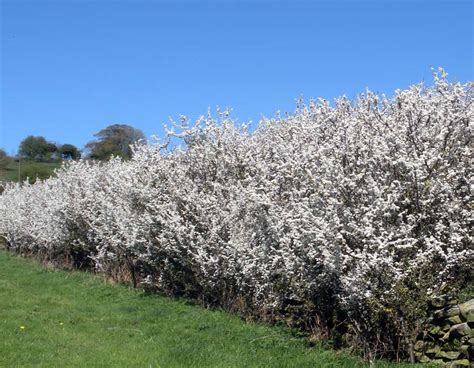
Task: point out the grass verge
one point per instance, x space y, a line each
56 318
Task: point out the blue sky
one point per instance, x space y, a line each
70 68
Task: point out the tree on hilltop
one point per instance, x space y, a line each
36 148
69 152
114 140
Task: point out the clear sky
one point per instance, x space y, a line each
70 68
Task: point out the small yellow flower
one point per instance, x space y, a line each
60 323
22 327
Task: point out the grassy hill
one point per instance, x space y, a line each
54 318
28 169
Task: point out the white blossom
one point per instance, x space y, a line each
378 186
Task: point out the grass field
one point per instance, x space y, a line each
30 169
55 318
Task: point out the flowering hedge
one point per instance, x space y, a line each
334 218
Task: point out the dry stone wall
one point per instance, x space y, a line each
448 337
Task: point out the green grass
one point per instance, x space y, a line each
75 319
29 169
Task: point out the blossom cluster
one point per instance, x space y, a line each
353 196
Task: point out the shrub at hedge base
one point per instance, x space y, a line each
341 219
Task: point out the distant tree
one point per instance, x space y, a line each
69 152
114 140
4 159
37 148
